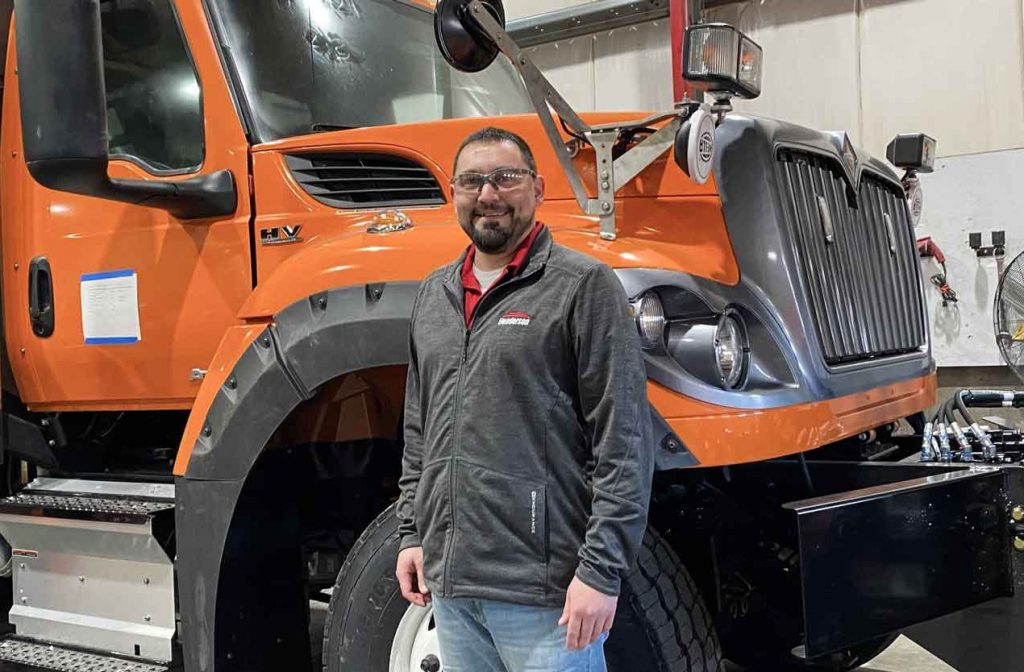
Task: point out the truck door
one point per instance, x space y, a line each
116 305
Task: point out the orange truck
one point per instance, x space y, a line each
215 217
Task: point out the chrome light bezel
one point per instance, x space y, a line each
649 316
739 351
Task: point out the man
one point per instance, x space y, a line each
527 465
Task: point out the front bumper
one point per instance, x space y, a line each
723 435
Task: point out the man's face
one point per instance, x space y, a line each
495 219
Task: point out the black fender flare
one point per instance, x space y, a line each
310 342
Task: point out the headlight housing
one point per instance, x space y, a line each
713 346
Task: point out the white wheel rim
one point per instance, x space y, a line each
415 639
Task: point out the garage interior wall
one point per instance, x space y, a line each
874 68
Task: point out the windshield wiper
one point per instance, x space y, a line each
320 128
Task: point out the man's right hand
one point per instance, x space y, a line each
410 576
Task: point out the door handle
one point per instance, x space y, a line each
40 297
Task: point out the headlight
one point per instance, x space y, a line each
722 58
650 320
731 350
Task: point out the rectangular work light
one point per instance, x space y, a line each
721 59
914 151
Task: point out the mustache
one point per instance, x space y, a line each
485 212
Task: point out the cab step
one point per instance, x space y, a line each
92 568
20 655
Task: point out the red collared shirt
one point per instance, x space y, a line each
471 287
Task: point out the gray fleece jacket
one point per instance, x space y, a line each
528 455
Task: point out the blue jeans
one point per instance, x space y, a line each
488 636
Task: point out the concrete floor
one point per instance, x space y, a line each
906 656
903 656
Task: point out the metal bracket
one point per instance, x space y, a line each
602 138
604 206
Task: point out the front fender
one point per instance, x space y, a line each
355 258
262 371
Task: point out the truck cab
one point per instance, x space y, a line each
215 218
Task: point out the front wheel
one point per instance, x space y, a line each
661 624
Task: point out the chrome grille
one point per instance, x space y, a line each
362 180
858 261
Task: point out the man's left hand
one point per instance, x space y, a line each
588 613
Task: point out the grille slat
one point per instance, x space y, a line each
908 251
379 190
800 200
881 282
833 275
913 278
864 297
850 272
423 181
891 277
362 180
899 269
365 167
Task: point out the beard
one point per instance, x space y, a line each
491 236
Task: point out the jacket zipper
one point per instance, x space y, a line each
453 472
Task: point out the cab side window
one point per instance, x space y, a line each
154 110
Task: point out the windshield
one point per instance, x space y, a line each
312 65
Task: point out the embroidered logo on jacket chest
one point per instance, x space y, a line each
514 318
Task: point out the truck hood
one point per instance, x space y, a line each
436 142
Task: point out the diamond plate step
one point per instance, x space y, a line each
83 507
17 655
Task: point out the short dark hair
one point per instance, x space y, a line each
494 135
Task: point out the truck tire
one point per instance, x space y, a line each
661 624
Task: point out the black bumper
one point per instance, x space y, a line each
908 544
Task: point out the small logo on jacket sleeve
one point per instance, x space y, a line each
516 317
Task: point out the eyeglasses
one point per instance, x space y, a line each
502 179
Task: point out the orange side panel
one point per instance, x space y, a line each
719 435
235 342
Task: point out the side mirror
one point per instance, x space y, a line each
461 41
64 115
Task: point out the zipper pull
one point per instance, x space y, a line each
465 346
